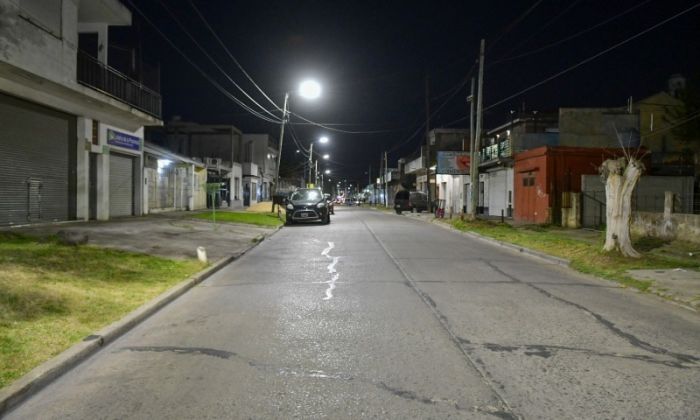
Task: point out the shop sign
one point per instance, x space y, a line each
452 163
126 141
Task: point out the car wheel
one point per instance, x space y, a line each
398 211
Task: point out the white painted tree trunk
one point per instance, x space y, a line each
621 176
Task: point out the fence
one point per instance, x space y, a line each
593 206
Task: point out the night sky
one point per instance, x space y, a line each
372 59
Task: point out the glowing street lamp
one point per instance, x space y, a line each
309 89
326 156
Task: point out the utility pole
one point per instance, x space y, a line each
472 168
474 163
311 153
381 163
427 140
386 182
374 188
279 150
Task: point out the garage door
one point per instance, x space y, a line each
121 185
37 163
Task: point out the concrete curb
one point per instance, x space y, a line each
44 374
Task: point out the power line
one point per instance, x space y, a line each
338 130
206 23
206 54
542 28
570 37
515 22
199 69
593 57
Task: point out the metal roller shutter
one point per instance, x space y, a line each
37 163
121 185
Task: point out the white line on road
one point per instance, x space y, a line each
331 270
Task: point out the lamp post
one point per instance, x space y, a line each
323 140
308 89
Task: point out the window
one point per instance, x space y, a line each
528 180
45 14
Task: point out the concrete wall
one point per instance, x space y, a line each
597 127
26 43
685 227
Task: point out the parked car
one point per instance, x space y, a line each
331 203
413 201
307 204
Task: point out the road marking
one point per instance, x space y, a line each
331 270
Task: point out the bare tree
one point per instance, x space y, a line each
620 176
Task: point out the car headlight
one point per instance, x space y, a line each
321 205
290 207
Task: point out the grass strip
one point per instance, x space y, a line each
54 295
586 256
258 219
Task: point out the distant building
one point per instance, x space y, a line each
218 146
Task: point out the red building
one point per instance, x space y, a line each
542 174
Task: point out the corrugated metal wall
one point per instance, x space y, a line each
121 185
37 163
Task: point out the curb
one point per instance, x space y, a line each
521 249
44 374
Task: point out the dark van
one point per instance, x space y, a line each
413 201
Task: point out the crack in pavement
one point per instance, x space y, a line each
630 338
505 411
302 373
547 351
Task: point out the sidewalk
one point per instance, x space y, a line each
680 284
171 235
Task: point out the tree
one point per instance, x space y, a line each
620 176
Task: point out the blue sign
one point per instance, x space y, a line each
127 141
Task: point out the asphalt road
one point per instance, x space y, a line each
385 316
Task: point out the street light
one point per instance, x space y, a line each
308 89
324 140
326 156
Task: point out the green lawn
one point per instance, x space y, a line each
259 219
586 255
53 295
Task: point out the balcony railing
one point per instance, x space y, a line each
111 82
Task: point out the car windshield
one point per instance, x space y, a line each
306 195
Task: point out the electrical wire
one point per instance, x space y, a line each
515 22
338 130
206 54
593 57
238 64
541 29
422 126
570 37
198 68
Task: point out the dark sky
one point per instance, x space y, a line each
372 58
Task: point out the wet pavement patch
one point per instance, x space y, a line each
221 354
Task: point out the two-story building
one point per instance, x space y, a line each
260 165
71 144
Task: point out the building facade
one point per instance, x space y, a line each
71 146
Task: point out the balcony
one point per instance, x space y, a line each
109 81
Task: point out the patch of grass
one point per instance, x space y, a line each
258 219
53 295
586 255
